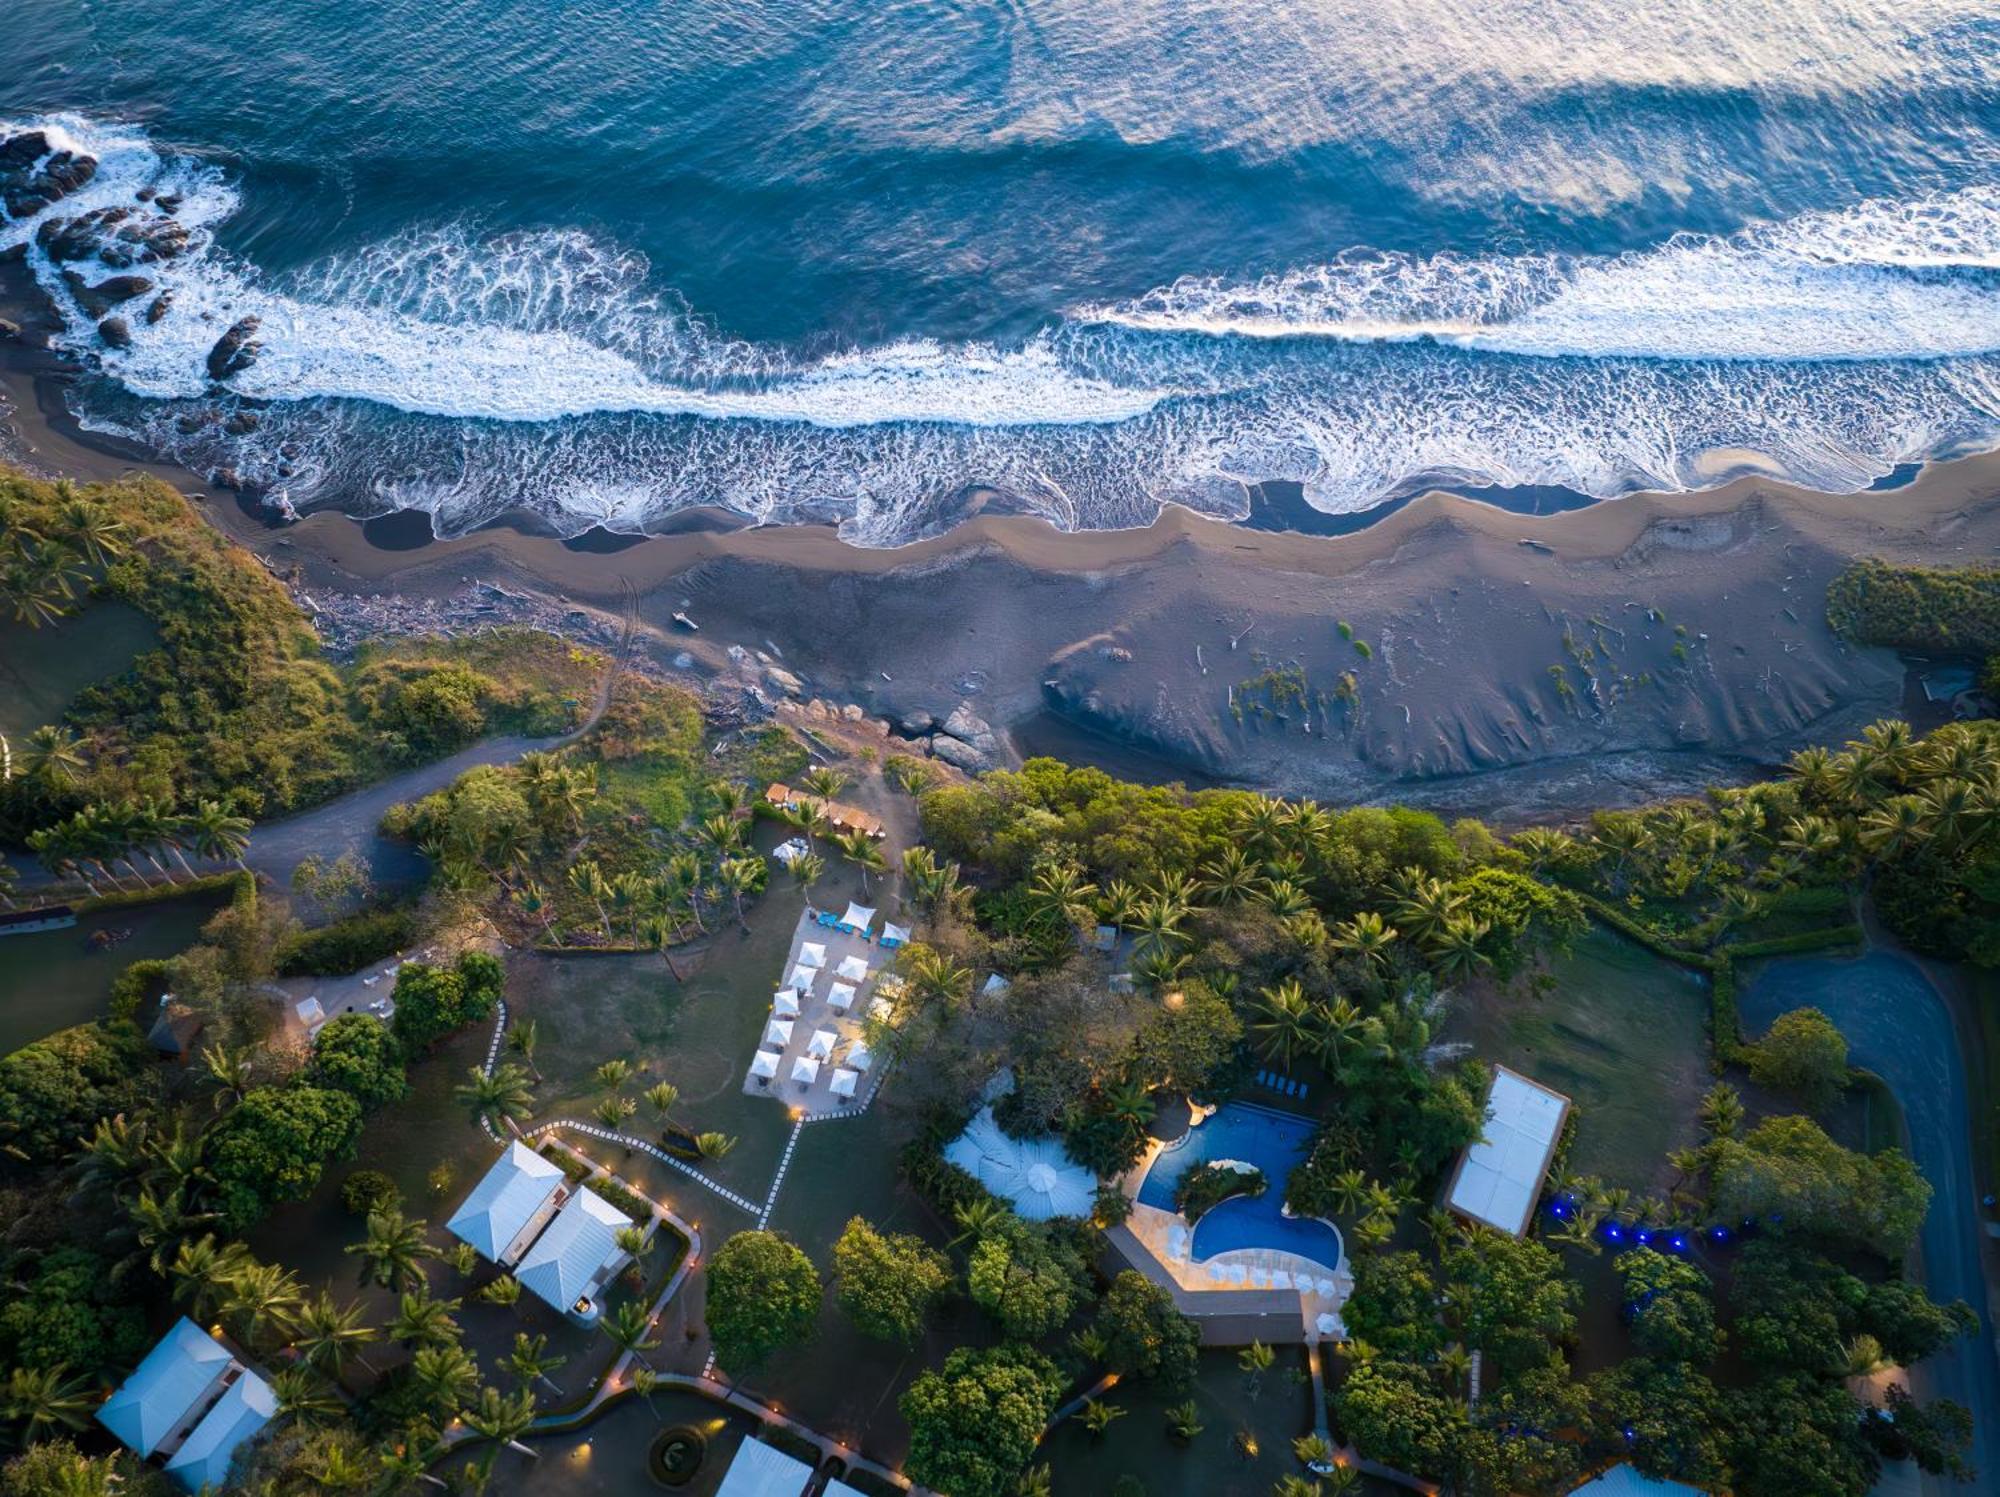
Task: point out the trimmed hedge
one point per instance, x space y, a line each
125 899
348 945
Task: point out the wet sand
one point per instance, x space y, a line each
1518 664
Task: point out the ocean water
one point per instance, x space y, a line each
864 260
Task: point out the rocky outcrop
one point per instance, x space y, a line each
235 351
159 306
116 332
966 740
32 175
960 755
10 332
98 300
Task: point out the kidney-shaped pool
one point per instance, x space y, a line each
1276 1142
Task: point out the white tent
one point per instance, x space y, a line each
1035 1175
852 969
812 954
822 1043
764 1064
801 978
894 935
786 1004
857 918
860 1056
778 1033
844 1081
840 997
1328 1324
805 1070
1499 1178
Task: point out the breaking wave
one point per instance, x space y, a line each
468 374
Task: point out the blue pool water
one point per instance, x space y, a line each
1276 1143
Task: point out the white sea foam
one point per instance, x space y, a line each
468 374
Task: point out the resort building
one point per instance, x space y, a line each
840 817
190 1405
1499 1179
560 1242
761 1470
1623 1480
1035 1176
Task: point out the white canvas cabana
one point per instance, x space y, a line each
786 1004
778 1033
894 935
805 1070
820 1047
844 1081
1036 1175
840 997
764 1064
860 1056
1499 1179
812 954
852 969
801 978
857 919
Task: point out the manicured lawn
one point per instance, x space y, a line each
1621 1034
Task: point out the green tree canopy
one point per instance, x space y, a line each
888 1284
974 1425
763 1293
1670 1304
1145 1335
357 1054
1028 1278
1788 1168
1511 1297
64 1310
432 1002
1803 1054
1394 1307
1393 1412
273 1146
53 1092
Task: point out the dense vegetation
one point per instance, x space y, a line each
1933 610
236 707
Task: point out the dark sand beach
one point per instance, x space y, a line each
1519 665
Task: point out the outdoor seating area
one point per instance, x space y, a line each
840 817
812 1055
1168 1242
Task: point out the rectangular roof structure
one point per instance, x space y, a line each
204 1457
839 1489
1499 1178
1622 1480
761 1470
507 1198
566 1262
176 1376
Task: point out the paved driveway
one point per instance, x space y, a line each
1897 1025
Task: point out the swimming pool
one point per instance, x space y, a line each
1275 1142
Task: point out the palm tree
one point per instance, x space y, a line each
713 1145
738 877
976 1219
1348 1190
1721 1111
613 1112
504 1291
663 1097
263 1296
393 1251
54 756
1374 1230
1898 825
628 1328
1060 894
89 529
1098 1417
1262 822
722 834
1368 936
203 1271
859 849
588 880
522 1039
1232 877
1313 1451
529 1362
1335 1026
115 1153
1284 898
303 1395
808 868
444 1375
1284 1026
1255 1360
1035 1482
329 1333
423 1321
218 835
635 1242
229 1071
1158 921
500 1420
614 1073
1456 950
162 1223
824 782
1184 1421
37 1401
935 977
177 1157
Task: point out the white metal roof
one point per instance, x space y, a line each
566 1257
1622 1480
505 1200
175 1376
204 1457
761 1470
1500 1177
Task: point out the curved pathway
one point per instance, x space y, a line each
1900 1027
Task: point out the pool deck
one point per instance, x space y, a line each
815 1012
1224 1308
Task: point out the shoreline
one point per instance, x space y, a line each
1475 695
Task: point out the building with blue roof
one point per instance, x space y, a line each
191 1403
509 1207
570 1263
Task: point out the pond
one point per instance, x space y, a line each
1276 1143
54 979
42 670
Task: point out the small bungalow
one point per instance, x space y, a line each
191 1403
511 1205
561 1241
175 1028
761 1470
568 1266
842 818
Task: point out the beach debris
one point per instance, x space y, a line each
683 661
681 618
1533 545
1246 629
887 677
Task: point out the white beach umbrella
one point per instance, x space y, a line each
852 969
840 997
820 1047
812 954
857 917
1328 1324
801 978
764 1064
844 1081
778 1033
1280 1279
805 1070
786 1004
860 1056
1217 1272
